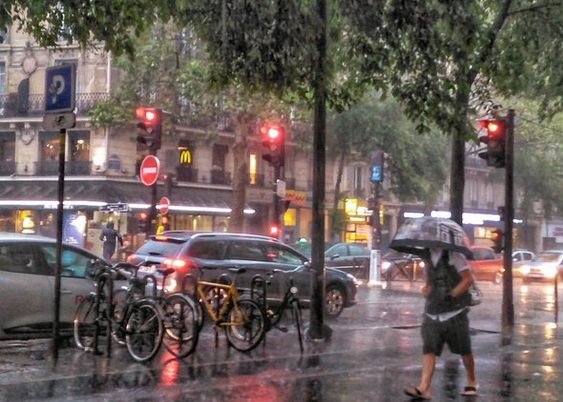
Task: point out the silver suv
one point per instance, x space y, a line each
186 252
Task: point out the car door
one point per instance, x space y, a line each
75 284
485 264
25 286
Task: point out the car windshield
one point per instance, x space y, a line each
162 248
548 257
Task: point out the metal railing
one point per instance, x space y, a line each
11 106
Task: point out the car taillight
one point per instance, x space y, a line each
175 263
131 258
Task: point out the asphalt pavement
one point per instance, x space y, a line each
373 353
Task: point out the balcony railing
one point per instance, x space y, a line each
11 106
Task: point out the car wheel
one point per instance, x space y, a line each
498 278
335 299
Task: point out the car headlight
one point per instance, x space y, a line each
549 271
385 265
171 283
525 269
353 279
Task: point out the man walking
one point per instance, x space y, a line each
445 320
110 237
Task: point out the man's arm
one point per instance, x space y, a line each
464 284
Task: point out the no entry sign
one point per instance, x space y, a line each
164 205
150 169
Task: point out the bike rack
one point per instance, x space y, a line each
258 290
100 283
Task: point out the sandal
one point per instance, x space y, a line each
470 391
416 394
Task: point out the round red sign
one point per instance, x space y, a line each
150 169
164 205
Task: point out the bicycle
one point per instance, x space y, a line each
243 320
112 310
179 316
291 302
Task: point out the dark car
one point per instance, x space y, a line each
402 266
259 255
349 257
27 283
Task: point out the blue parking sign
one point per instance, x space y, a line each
376 174
60 88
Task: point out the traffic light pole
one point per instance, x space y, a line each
507 291
376 234
278 173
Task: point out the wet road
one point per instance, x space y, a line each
373 353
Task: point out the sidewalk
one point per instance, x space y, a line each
374 352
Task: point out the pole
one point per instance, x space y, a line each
318 330
60 217
375 258
151 224
507 296
276 220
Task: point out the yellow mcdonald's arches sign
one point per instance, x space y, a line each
185 157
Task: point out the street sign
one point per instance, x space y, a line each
115 207
150 169
164 205
280 188
59 120
60 88
376 174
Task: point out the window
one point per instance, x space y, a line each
7 153
74 264
207 249
282 255
357 250
3 36
340 250
79 146
252 168
22 258
245 250
49 143
358 181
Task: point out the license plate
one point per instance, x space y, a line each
147 269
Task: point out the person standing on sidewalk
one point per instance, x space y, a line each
110 237
445 318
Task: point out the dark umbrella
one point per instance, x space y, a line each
416 235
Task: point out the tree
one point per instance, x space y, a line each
417 169
445 57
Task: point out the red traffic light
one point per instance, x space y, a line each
495 128
497 236
274 231
147 114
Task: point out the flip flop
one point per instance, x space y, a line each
470 391
416 394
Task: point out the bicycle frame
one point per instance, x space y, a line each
232 296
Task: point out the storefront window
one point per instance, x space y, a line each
7 223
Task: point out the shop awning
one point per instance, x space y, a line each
95 193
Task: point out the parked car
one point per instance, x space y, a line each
402 266
349 257
545 266
27 283
520 258
486 264
259 255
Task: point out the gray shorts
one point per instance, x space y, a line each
453 332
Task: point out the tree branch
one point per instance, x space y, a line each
534 8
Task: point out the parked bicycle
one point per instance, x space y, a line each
242 319
124 314
290 302
179 316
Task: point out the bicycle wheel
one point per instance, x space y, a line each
181 329
143 330
245 325
84 324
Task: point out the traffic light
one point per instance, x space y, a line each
143 219
495 138
498 240
273 139
274 231
150 123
